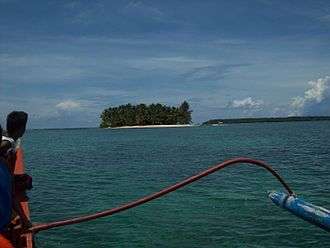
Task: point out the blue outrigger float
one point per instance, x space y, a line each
316 215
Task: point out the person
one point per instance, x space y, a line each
16 126
5 198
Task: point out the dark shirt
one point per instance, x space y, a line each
5 196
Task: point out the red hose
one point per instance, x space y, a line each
45 226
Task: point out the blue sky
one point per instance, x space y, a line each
65 61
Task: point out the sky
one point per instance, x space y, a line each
63 62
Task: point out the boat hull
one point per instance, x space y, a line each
16 234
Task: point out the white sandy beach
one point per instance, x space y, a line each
152 126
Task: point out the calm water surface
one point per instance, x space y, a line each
86 170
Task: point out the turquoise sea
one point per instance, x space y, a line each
79 171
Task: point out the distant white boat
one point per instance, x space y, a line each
217 124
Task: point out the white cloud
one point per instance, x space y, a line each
246 103
315 100
318 89
297 102
68 105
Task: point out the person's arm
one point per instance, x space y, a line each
7 152
18 209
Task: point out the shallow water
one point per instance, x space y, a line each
85 170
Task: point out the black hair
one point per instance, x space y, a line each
16 120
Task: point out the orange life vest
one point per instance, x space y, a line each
4 242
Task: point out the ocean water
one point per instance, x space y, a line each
81 171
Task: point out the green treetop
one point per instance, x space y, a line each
142 114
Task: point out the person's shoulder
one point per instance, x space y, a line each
5 146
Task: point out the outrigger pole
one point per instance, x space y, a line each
305 210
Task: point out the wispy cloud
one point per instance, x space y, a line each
247 103
142 9
213 72
84 13
175 64
325 18
68 105
39 69
206 73
8 1
188 69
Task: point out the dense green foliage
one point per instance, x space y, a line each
271 119
142 114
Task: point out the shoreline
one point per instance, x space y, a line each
266 119
153 126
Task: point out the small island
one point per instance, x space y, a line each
142 115
265 119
